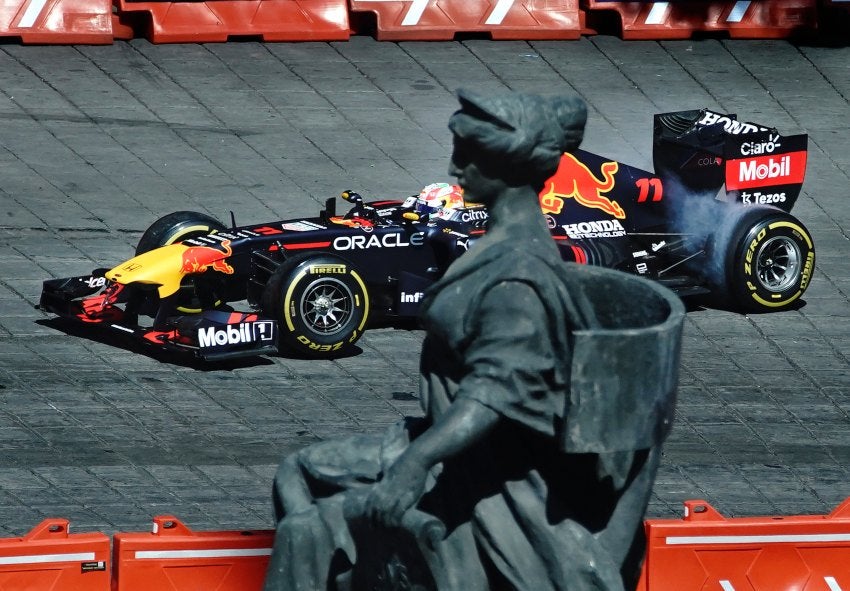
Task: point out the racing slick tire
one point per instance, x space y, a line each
766 257
176 227
321 304
195 295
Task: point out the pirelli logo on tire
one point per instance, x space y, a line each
808 269
332 269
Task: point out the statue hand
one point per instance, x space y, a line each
397 492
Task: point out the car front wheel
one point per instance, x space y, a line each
321 304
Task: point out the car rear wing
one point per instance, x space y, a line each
706 152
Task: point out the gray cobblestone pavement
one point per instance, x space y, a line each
97 142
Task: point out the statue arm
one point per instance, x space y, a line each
505 358
465 422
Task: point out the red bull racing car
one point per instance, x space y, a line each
712 220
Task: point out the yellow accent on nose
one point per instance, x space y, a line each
162 267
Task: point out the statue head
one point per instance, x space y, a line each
518 138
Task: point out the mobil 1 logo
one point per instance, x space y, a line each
243 333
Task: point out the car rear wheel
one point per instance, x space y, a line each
196 293
321 304
768 260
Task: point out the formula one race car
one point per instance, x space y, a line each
713 220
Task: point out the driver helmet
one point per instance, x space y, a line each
438 196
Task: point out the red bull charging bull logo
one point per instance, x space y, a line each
573 179
197 259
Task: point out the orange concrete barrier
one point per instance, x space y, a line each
173 558
756 19
705 550
57 21
432 20
49 557
190 21
701 552
222 20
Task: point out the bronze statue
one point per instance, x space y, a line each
534 461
